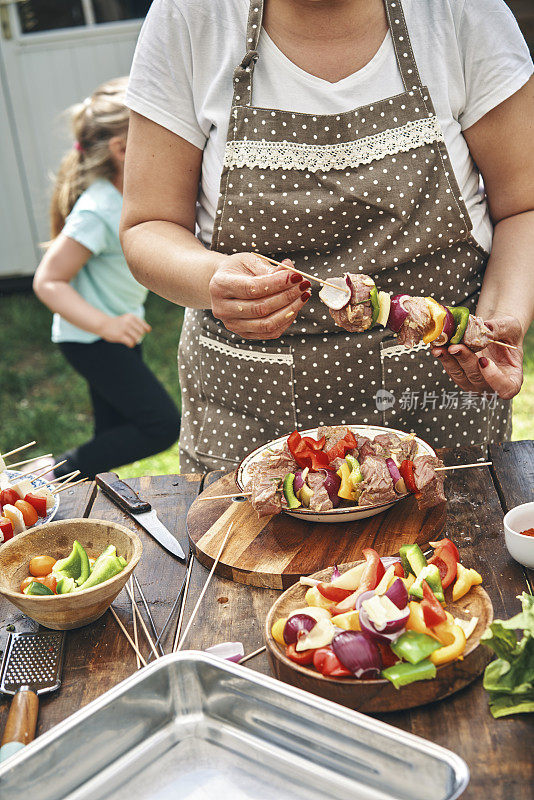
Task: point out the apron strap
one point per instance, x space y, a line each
402 45
244 71
399 33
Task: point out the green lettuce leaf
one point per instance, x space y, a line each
510 678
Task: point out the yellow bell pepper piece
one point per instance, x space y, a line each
408 581
416 621
350 621
438 313
277 631
465 578
455 640
346 490
314 597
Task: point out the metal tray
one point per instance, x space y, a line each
193 726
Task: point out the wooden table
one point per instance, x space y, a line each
499 752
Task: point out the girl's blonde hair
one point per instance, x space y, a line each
98 119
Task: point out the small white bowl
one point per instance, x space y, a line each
520 547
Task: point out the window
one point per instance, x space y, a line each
48 15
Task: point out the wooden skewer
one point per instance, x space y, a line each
225 496
68 486
300 272
503 344
466 466
18 449
141 620
183 602
44 470
134 621
252 655
27 461
65 478
123 629
203 592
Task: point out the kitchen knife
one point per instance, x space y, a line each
143 513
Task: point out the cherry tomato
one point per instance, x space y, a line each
47 580
8 497
41 565
327 663
28 512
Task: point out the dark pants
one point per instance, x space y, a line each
134 417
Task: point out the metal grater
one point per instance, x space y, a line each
34 660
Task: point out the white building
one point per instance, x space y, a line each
52 54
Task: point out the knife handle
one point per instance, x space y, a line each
123 495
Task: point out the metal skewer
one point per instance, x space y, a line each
141 620
182 604
203 592
173 609
134 621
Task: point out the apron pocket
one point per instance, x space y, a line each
248 396
419 396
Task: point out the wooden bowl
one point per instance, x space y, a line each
63 612
376 696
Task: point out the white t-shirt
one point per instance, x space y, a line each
470 54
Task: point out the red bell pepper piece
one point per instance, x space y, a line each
398 570
386 653
406 471
433 612
446 558
8 497
308 452
6 528
327 663
333 592
373 572
303 658
39 503
341 448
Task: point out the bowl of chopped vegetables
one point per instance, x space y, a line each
66 574
382 634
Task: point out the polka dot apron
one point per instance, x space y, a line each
369 190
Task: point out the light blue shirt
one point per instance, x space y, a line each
105 280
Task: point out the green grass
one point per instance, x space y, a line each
42 398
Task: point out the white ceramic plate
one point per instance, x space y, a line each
37 483
344 513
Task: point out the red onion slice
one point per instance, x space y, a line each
393 470
332 482
334 298
397 312
358 652
398 593
363 597
297 626
449 327
387 635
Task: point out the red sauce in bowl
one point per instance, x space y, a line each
528 532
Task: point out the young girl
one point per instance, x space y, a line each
98 306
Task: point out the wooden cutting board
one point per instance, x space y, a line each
377 696
275 551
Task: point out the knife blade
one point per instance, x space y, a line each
127 499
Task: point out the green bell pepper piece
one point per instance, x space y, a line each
107 568
76 565
110 550
289 492
414 647
356 476
375 305
403 674
461 318
122 560
65 585
412 559
38 589
431 575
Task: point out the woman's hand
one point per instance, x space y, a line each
126 329
494 369
255 300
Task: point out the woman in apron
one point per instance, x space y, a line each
370 189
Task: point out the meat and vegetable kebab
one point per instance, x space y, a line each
360 305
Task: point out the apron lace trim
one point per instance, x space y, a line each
400 350
246 355
263 154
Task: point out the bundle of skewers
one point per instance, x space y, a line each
25 498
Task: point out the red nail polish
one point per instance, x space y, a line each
305 297
483 362
305 285
295 278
